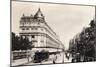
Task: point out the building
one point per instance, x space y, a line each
39 33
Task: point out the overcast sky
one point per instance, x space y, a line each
65 20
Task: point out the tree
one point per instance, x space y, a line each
25 43
15 42
85 42
20 43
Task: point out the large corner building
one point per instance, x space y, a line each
39 33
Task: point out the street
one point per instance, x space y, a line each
60 59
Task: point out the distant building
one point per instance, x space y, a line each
39 33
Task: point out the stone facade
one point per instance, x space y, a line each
39 33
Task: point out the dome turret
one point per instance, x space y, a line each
39 15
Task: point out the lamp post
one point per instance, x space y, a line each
63 55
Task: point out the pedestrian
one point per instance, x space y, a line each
53 61
32 56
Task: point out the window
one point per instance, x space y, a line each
33 36
23 28
32 28
41 29
42 41
38 23
35 28
27 28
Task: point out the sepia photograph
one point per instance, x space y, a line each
52 33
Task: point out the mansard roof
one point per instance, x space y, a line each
36 16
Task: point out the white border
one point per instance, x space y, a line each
5 33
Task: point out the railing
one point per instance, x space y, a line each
20 54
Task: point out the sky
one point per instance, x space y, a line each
66 20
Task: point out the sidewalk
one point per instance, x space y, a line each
19 62
67 60
24 61
47 61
